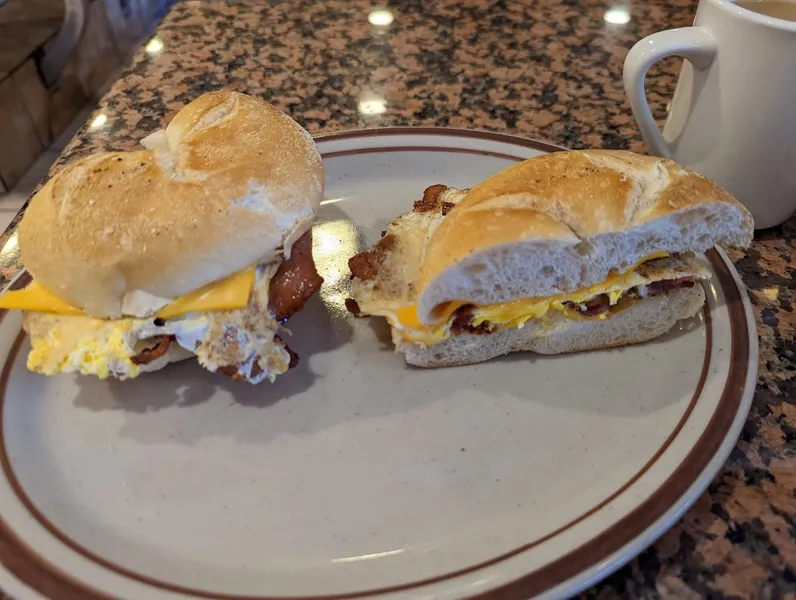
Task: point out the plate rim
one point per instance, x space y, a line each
548 576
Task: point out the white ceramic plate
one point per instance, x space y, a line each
355 475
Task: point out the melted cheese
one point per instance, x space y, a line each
510 315
226 294
36 298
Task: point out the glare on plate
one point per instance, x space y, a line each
99 121
380 17
372 105
327 241
333 275
154 45
335 200
368 556
617 16
333 243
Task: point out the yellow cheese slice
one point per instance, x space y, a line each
226 294
34 297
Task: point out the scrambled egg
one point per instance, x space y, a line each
103 348
64 344
91 346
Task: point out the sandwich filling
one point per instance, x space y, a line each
384 284
231 326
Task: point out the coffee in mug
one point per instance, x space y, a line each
779 9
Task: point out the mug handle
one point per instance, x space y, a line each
695 44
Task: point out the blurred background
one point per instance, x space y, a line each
56 58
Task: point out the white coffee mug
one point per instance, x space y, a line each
733 115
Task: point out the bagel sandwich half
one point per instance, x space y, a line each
565 252
198 245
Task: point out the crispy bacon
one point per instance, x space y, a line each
365 265
160 347
430 199
596 306
463 322
353 307
294 358
667 285
232 372
295 281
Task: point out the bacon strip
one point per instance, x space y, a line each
295 281
430 199
162 343
233 372
591 308
353 308
366 265
463 322
667 285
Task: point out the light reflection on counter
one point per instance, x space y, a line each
772 293
617 16
10 260
381 17
154 46
370 104
99 121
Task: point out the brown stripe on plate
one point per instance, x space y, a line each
505 138
30 568
21 282
340 153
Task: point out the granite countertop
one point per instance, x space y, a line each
550 71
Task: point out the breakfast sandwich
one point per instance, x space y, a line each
197 246
564 252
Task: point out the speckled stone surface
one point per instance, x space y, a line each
549 70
